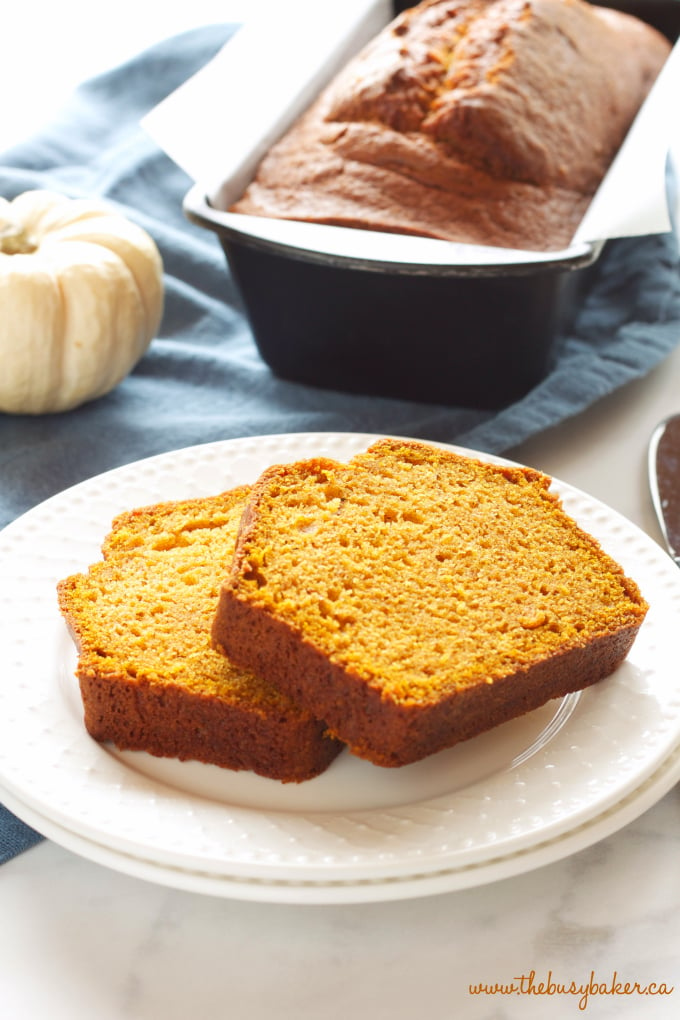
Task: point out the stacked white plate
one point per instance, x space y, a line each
526 794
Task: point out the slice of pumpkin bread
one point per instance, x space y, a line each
414 598
149 678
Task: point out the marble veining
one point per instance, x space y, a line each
85 941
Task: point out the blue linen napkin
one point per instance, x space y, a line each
15 836
202 379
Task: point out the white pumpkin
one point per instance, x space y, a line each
81 299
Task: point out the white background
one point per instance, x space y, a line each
47 49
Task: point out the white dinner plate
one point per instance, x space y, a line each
406 886
525 794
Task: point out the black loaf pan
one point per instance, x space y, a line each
468 334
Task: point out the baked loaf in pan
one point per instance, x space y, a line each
414 598
482 121
149 679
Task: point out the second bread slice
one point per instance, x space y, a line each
149 678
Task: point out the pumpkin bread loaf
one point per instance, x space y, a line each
148 676
415 598
482 121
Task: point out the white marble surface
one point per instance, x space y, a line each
78 941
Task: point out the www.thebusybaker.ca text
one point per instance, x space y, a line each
528 984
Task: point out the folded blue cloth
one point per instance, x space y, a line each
15 836
202 379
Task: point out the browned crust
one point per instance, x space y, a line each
381 730
168 721
461 121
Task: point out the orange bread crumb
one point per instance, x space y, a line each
414 598
149 678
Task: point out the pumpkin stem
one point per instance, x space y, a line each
14 240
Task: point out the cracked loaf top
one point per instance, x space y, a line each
481 121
